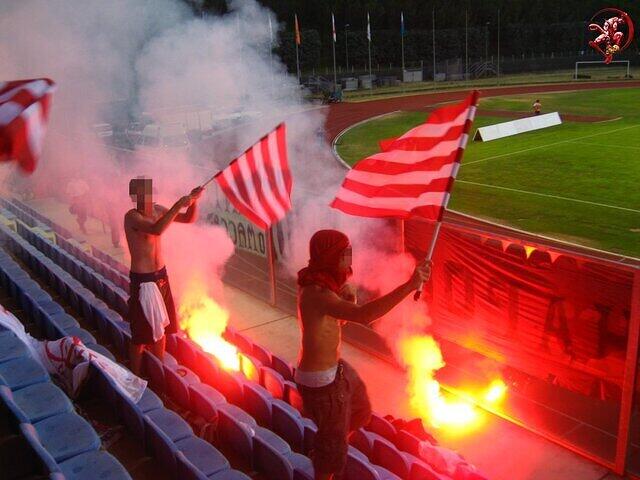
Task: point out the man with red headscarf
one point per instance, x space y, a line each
333 394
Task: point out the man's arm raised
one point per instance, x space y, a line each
336 307
156 227
192 212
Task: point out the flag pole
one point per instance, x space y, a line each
466 44
402 39
297 40
272 265
433 34
436 231
369 38
333 35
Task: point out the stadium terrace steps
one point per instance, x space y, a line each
263 398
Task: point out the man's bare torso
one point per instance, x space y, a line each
145 249
320 333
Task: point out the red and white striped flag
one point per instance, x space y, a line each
24 112
258 182
414 174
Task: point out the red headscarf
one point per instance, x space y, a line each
325 250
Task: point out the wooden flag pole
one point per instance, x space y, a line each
432 247
272 265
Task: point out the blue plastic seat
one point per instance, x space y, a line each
170 423
153 368
257 403
102 350
66 435
282 367
230 384
207 368
149 401
229 475
387 455
273 457
186 352
96 465
11 347
287 422
97 307
177 382
382 427
236 429
39 401
250 367
82 334
47 464
205 401
22 372
262 354
60 322
273 382
201 455
243 343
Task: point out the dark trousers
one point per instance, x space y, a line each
337 409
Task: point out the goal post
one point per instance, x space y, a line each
625 63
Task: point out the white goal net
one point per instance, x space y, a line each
598 70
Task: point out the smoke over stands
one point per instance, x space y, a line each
153 61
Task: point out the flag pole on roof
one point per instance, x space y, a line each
413 175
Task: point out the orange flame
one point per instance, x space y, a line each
204 321
423 358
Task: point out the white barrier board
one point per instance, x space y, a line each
514 127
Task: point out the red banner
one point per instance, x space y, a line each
557 317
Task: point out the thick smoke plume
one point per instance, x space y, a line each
124 60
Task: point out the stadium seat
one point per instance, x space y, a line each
262 354
292 396
38 401
407 442
243 343
177 382
229 475
236 429
22 372
250 367
11 347
41 457
273 382
60 322
382 427
205 401
201 455
287 422
282 367
540 258
96 465
257 403
170 423
230 384
154 371
186 352
516 252
82 334
270 455
66 435
493 243
206 367
363 441
104 351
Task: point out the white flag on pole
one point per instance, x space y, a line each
368 28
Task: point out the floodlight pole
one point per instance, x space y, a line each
433 35
498 68
466 44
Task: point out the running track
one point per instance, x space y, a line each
343 115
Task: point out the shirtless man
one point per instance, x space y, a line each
537 106
151 309
333 394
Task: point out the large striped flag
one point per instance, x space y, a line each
24 112
414 173
258 182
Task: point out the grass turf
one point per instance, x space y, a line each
577 181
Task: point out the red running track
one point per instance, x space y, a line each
343 115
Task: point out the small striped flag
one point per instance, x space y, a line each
297 27
333 27
414 173
258 182
24 112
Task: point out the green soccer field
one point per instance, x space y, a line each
579 181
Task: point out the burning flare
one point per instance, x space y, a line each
423 358
204 321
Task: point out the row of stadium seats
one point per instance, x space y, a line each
58 441
195 458
267 392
